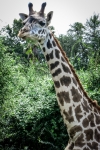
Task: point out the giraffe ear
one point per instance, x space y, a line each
23 16
49 17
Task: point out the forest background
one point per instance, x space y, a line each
29 114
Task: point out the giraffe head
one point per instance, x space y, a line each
35 24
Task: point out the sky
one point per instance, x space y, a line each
66 12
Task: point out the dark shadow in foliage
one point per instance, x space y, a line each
43 133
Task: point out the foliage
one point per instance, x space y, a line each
27 121
82 42
91 82
93 38
5 72
76 49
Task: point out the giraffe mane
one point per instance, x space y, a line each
94 103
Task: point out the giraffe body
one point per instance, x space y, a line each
81 115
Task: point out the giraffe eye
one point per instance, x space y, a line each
41 23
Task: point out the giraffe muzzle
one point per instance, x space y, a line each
21 34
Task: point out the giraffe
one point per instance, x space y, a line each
81 115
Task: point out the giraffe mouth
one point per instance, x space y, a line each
24 37
20 35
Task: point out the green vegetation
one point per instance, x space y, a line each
29 114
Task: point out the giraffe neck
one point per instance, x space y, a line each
67 90
79 114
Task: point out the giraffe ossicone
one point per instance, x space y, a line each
81 115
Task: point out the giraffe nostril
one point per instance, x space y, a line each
23 30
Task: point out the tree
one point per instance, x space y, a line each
67 42
79 49
92 37
74 45
13 44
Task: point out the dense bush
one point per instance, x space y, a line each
91 82
31 117
4 73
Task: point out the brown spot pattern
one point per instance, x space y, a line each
57 53
49 56
43 31
85 123
89 134
66 97
69 115
91 120
63 59
57 84
76 95
85 106
74 130
65 68
65 80
93 145
95 110
98 128
63 96
54 44
57 72
80 89
78 113
97 135
84 113
74 81
53 65
79 142
40 31
71 146
49 45
97 119
60 98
